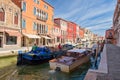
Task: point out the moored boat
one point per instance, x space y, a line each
71 60
37 56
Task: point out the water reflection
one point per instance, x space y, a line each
41 72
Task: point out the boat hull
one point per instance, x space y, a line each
22 60
69 68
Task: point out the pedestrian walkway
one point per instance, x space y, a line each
113 61
109 66
12 50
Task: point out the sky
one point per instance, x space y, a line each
95 15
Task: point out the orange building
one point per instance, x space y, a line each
37 21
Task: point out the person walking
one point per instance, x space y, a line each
59 46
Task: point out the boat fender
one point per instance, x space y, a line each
57 69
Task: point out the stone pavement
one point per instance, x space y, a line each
109 68
12 50
113 61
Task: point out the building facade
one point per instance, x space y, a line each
63 26
57 34
37 22
81 33
109 36
10 29
77 34
88 38
72 32
116 23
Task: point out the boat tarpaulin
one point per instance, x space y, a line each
77 50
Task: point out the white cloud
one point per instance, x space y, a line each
68 14
100 26
96 15
96 11
97 21
100 29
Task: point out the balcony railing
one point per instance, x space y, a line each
41 19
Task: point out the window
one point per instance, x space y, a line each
23 23
38 2
46 16
34 26
24 6
45 6
40 29
58 39
16 18
35 1
43 28
35 11
11 40
2 14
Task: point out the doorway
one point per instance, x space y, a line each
23 42
1 42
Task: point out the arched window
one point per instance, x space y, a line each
2 14
16 18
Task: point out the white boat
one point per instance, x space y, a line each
70 61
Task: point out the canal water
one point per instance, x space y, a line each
9 71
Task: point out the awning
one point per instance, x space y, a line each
31 35
46 37
50 36
13 33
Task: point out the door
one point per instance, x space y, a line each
0 42
23 42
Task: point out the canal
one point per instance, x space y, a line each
9 71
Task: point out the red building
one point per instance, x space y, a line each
71 32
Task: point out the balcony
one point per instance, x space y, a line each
41 19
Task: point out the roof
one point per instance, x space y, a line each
60 19
47 3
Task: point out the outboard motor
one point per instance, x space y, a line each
57 69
